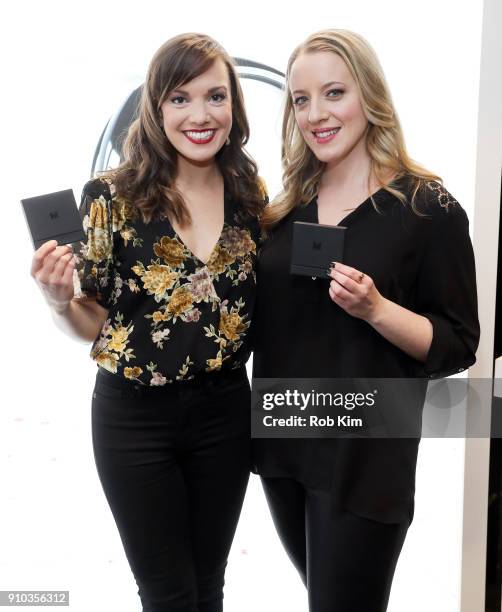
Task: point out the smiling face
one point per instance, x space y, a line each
327 106
197 116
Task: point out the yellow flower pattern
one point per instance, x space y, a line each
165 307
158 279
171 250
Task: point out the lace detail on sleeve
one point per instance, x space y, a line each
444 197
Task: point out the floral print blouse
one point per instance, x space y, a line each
170 316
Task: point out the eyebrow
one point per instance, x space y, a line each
211 90
323 87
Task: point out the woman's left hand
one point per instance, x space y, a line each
355 292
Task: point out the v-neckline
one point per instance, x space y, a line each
351 213
189 250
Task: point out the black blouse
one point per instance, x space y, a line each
170 316
425 264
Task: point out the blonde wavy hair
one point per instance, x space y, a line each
384 137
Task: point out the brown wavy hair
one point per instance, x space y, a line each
146 176
384 137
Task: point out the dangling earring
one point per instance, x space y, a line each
228 140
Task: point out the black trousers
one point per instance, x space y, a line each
174 465
347 562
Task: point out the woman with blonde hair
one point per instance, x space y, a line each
401 305
167 288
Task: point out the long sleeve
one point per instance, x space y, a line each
94 257
446 290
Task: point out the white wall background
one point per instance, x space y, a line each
66 66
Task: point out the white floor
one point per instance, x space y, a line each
56 531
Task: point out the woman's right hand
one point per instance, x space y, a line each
52 268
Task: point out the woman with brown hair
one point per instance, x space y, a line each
402 305
165 292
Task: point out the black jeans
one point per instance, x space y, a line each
347 562
174 465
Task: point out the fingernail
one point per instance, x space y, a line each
333 264
328 272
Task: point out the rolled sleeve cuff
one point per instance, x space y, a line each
447 354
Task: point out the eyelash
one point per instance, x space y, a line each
219 95
297 102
